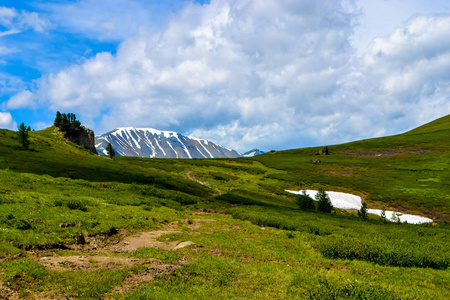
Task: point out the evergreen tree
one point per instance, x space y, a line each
58 118
324 202
23 136
362 213
110 151
304 201
383 215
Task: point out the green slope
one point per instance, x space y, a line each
436 125
408 172
60 203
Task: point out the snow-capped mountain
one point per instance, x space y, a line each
253 152
148 142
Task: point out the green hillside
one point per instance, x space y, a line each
81 226
408 171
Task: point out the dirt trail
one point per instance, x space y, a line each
191 176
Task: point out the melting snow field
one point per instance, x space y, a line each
349 201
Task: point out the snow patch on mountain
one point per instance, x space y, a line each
149 142
253 152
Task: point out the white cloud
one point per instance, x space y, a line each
261 63
21 100
251 73
111 20
7 15
7 121
16 22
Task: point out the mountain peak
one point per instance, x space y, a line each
149 142
253 152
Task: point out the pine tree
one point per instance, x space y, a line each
23 136
324 202
304 201
362 213
58 118
383 215
110 151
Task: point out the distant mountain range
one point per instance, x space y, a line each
253 152
149 142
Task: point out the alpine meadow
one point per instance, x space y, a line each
76 225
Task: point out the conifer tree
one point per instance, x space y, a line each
324 202
58 118
304 201
362 213
23 136
110 151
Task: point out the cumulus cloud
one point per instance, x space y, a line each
411 69
21 100
252 73
7 121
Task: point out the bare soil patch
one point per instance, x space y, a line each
135 279
197 223
56 263
6 292
145 239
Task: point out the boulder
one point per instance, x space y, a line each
84 137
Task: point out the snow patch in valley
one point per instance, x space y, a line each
349 201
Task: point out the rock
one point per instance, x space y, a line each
84 137
324 151
183 245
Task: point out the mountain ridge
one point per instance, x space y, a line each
153 143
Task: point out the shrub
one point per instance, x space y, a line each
394 255
74 204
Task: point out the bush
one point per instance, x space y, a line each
74 204
394 255
304 201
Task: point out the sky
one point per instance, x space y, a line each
267 74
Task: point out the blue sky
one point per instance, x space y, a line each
271 74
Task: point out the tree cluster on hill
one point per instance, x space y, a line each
67 123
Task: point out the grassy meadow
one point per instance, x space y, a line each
67 219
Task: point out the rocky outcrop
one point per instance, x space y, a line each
84 137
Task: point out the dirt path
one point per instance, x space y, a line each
191 176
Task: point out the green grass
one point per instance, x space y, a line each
57 197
